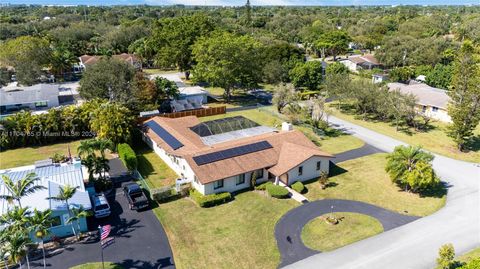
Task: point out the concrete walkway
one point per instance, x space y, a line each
294 194
414 245
289 228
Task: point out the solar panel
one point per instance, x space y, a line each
230 153
164 135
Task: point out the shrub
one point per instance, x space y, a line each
323 180
128 156
164 194
277 191
298 187
211 199
473 264
446 256
263 186
58 158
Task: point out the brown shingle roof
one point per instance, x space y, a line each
288 147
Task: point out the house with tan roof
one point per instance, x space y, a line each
88 60
223 155
430 101
356 63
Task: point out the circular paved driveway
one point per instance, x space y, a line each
289 228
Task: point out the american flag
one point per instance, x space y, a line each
105 231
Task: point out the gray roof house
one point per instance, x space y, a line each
37 97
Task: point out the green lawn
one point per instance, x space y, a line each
474 254
435 140
153 71
353 227
268 117
364 179
239 234
28 155
153 169
97 265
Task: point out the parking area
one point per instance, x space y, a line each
140 240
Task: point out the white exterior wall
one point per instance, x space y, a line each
350 65
309 169
440 114
230 184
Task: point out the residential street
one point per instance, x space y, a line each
414 245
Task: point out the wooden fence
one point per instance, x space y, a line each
202 112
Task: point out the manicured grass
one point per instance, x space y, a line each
353 227
158 71
239 234
364 179
97 265
474 254
27 156
215 90
154 170
268 117
435 140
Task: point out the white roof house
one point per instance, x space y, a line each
51 176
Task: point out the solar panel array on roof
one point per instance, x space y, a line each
164 135
221 126
230 153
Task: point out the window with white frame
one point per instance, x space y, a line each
240 179
319 165
259 173
218 184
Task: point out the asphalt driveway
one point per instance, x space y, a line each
140 240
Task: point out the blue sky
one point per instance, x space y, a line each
241 2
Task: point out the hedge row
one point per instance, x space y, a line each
277 191
163 195
211 199
263 186
298 187
128 156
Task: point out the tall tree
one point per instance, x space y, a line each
28 55
307 75
172 39
283 95
112 121
39 224
21 188
464 108
226 60
333 43
65 194
17 246
77 215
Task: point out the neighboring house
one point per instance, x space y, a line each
88 60
195 94
222 155
14 98
356 63
431 101
51 176
379 78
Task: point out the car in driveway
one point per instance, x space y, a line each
135 196
101 207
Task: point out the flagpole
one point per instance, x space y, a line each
100 236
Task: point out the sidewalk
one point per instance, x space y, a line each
294 195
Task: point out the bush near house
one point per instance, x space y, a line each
277 191
263 186
298 187
164 194
128 156
211 199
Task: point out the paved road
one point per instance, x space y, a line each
414 245
140 241
356 153
289 228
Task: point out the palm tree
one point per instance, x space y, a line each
21 188
101 166
40 222
89 162
102 145
404 159
15 218
86 148
66 193
77 214
17 246
3 247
